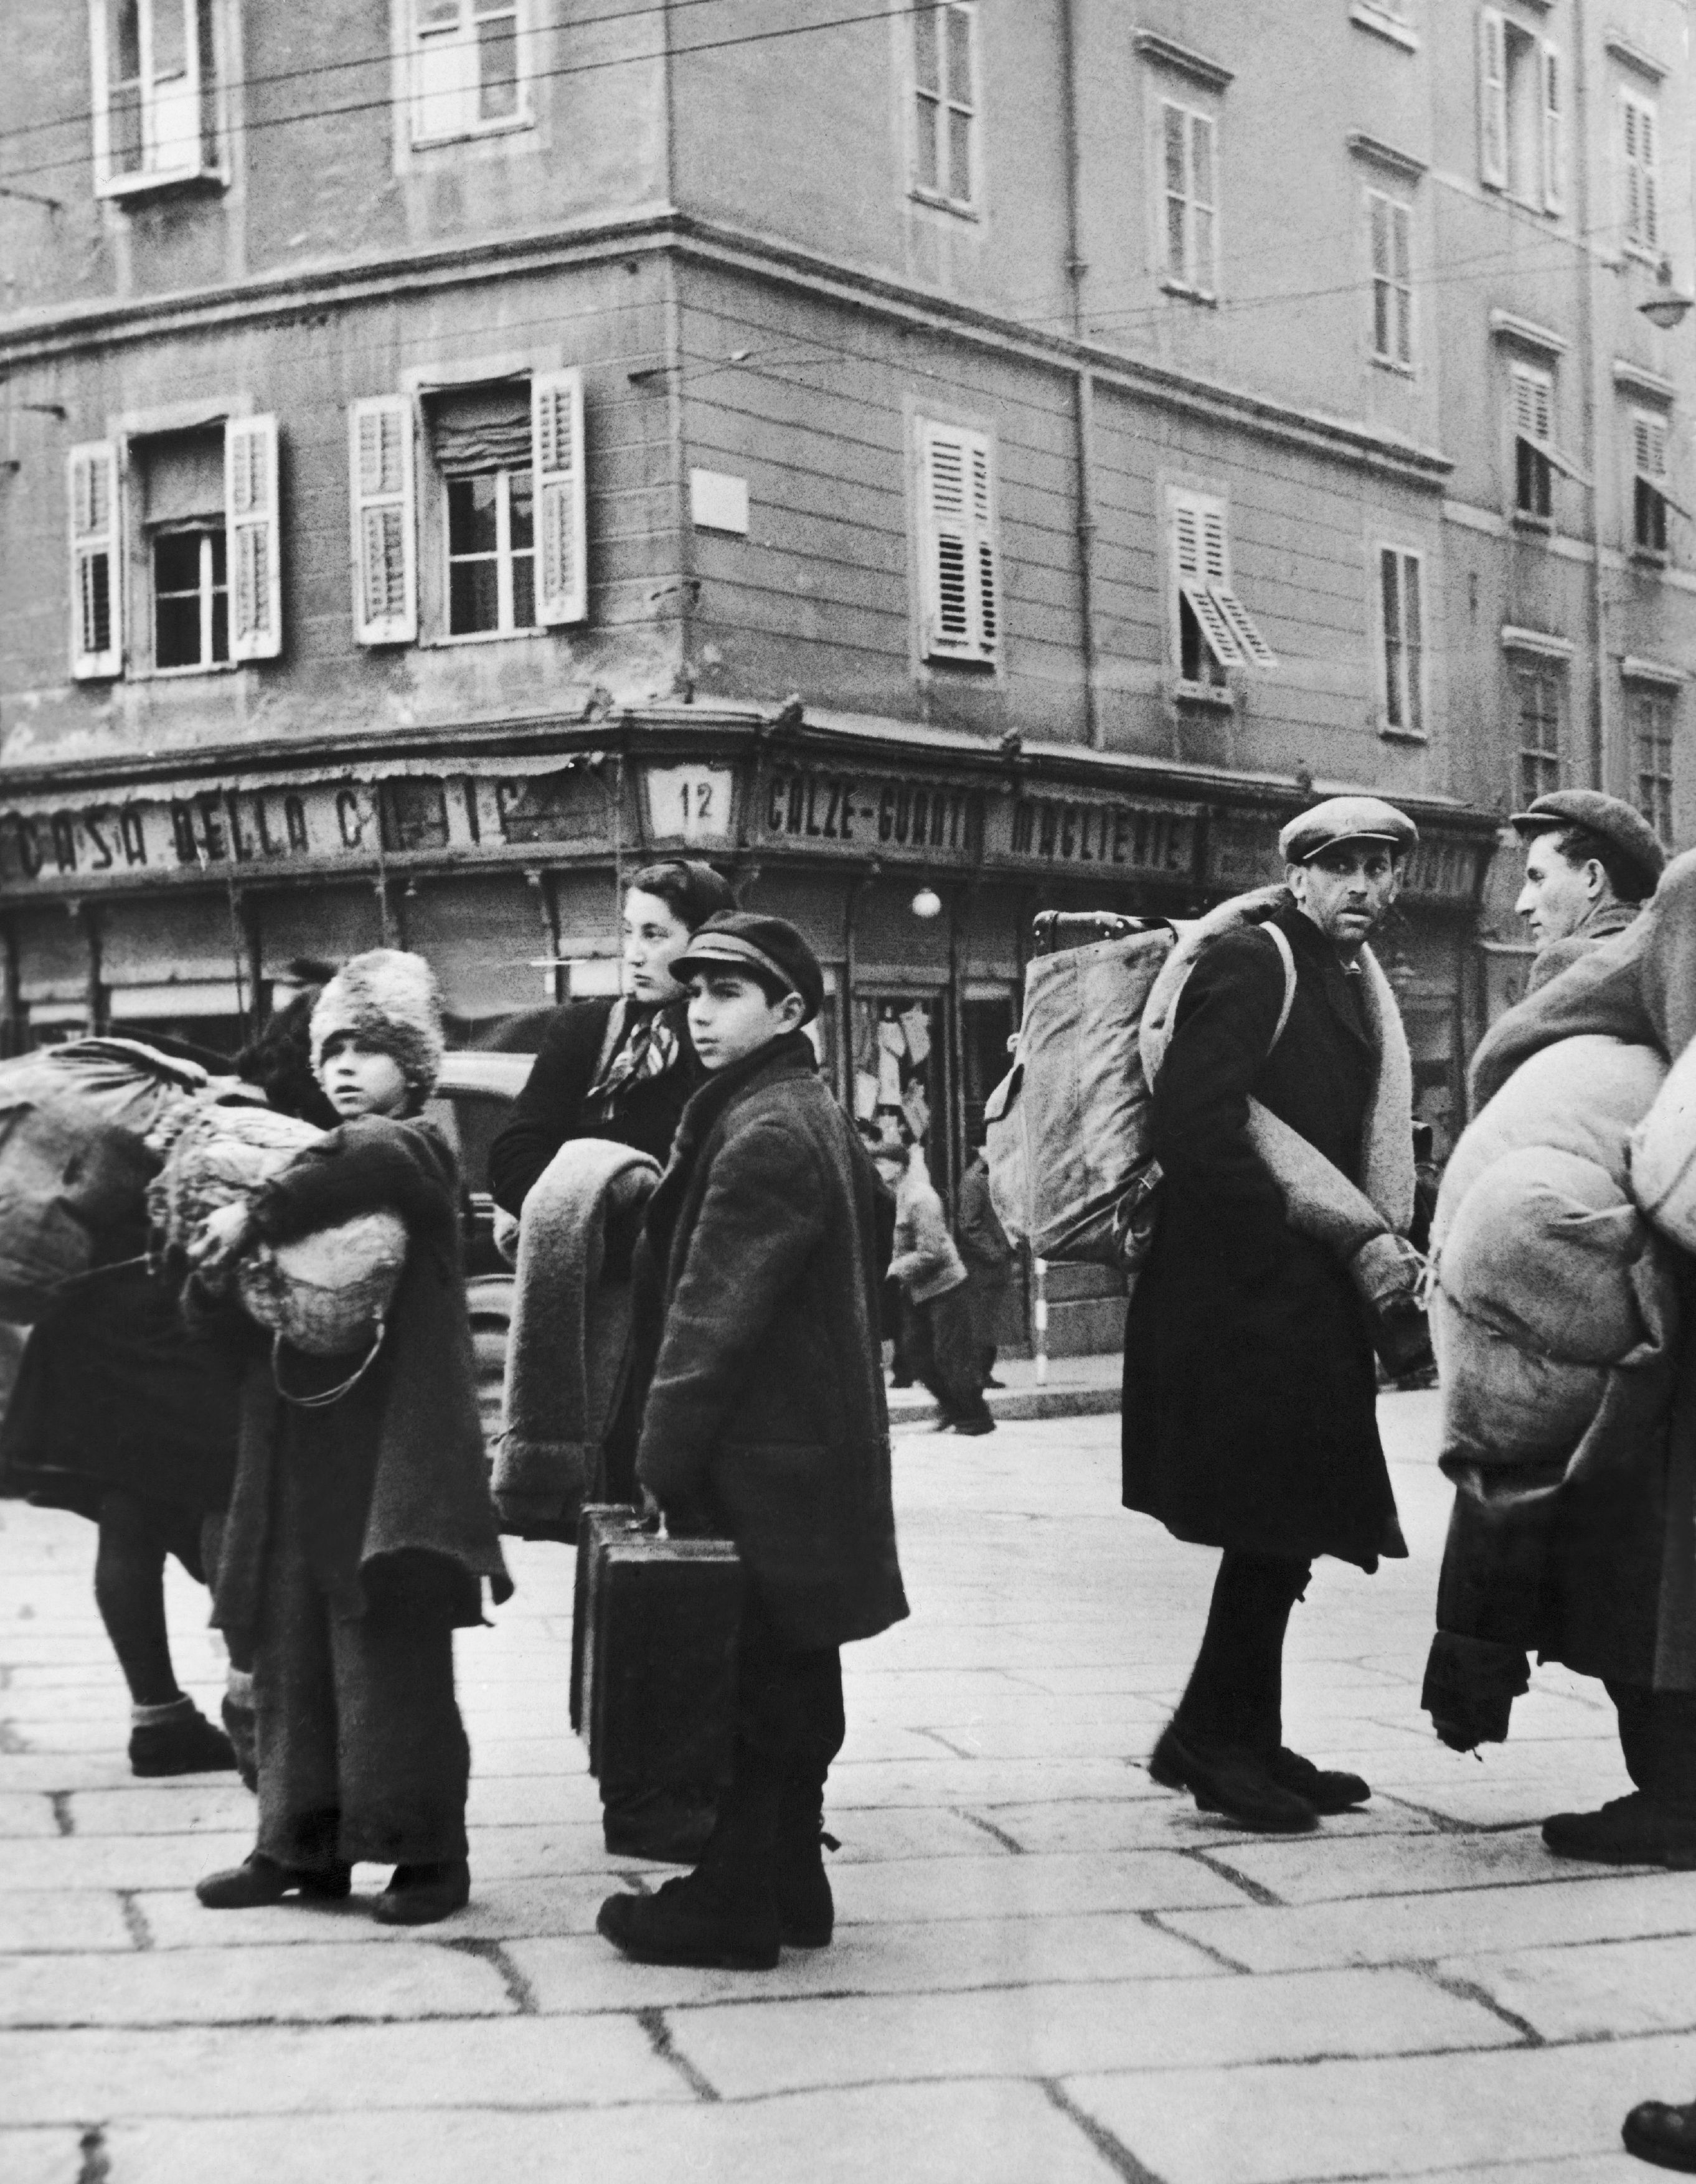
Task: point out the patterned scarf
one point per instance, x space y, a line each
649 1043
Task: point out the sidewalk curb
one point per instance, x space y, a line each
1014 1404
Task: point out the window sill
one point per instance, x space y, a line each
1218 695
1650 557
937 203
206 181
504 128
1389 735
1366 17
185 674
1645 253
1395 367
443 638
1536 526
1205 296
956 662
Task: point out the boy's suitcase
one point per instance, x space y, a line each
655 1623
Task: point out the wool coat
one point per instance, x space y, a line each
1250 1385
428 1495
765 1416
1602 924
550 1108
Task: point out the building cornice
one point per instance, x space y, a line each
277 299
1648 386
1374 150
1537 644
1632 56
1526 333
1167 53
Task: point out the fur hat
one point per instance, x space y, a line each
389 999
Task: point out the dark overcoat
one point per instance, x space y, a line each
550 1110
1250 1387
429 1493
765 1416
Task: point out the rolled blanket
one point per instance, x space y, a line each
568 1351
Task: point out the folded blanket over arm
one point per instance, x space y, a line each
568 1352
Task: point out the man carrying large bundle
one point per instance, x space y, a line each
1250 1391
1591 863
1574 1530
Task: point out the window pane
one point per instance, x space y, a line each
925 52
1380 235
1381 318
473 597
124 41
170 39
960 56
1202 160
524 591
472 514
960 156
220 625
218 557
521 492
1404 325
1175 238
177 561
176 631
927 177
1201 235
497 68
1177 166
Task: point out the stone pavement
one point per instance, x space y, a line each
1046 1969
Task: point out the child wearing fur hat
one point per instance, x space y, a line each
360 1527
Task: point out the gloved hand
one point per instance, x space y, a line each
1469 1689
1390 1275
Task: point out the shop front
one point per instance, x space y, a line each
181 902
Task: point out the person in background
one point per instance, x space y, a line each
938 1338
988 1259
1592 861
623 1069
765 1420
360 1528
279 1060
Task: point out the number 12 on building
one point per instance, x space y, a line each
688 803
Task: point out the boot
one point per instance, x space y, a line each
1634 1830
1326 1789
259 1880
807 1912
184 1743
698 1918
1657 2132
420 1895
1230 1780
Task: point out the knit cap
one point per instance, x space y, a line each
389 1001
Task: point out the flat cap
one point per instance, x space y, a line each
1609 816
742 938
1345 819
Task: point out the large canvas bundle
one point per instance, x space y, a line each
78 1124
225 1153
1663 1156
1544 1267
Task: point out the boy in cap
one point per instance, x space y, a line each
1591 863
360 1527
765 1420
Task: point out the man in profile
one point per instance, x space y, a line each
1591 864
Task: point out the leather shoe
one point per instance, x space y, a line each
1633 1830
1657 2132
259 1880
693 1921
1326 1789
187 1744
420 1895
806 1910
1228 1780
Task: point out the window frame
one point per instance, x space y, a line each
413 48
503 557
1527 384
1403 662
1199 581
1662 733
947 103
1543 152
1639 176
1398 309
1650 430
207 591
203 94
1181 282
1531 673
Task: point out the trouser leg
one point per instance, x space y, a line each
955 1348
129 1591
788 1728
919 1340
404 1760
1658 1740
294 1699
1236 1689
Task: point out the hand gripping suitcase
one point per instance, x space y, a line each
654 1626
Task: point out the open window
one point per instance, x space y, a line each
1522 101
155 101
1536 456
961 607
1211 630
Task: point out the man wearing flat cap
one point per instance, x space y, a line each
1250 1389
1591 864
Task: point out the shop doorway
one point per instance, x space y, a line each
901 1079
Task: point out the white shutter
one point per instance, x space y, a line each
1531 418
1199 559
1492 99
556 440
1651 182
380 460
252 539
962 582
984 550
96 561
1554 130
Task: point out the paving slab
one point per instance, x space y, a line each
1024 1887
36 1921
42 2157
1605 1991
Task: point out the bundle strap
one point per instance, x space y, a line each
324 1399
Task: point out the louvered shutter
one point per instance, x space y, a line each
1648 437
1554 130
1198 554
1531 419
984 550
381 464
948 542
1492 99
556 434
1647 151
97 594
253 539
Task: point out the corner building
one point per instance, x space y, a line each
939 465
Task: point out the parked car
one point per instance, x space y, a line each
472 1097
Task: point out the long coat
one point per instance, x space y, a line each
429 1494
765 1416
1250 1388
549 1109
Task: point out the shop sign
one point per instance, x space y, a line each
690 803
1145 840
936 822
